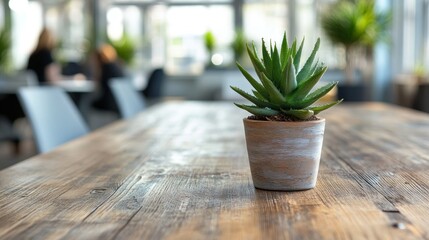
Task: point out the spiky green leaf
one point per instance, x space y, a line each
304 87
277 69
291 82
318 109
284 51
293 49
257 110
258 95
275 96
317 65
254 100
254 58
299 113
316 95
297 58
255 84
267 61
304 72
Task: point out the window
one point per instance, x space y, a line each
186 26
265 19
26 25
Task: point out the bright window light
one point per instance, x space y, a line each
18 5
114 15
217 59
115 25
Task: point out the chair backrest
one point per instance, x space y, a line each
53 116
127 98
155 83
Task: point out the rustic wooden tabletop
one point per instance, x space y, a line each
180 171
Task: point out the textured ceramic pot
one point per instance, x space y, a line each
284 156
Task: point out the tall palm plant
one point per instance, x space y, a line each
354 24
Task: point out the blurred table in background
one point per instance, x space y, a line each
75 86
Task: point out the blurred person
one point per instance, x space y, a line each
41 60
106 68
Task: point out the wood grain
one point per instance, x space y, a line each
180 171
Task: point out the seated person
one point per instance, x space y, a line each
107 68
41 61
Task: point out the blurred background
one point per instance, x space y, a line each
378 50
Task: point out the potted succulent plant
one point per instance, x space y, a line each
284 136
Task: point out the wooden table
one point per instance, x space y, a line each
180 171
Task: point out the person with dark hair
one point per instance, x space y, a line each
107 68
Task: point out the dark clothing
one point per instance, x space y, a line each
155 84
106 100
10 107
38 62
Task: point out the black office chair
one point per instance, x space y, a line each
421 99
10 108
153 90
8 133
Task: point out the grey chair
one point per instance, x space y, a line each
53 116
128 99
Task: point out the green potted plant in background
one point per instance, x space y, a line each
238 45
357 27
283 136
125 48
210 43
5 45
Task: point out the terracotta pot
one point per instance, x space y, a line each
284 155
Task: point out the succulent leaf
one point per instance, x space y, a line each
300 113
277 69
275 95
315 66
293 49
258 95
304 87
318 109
316 95
284 51
257 110
257 64
267 61
254 100
297 57
255 84
308 64
291 82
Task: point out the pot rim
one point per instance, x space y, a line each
312 122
